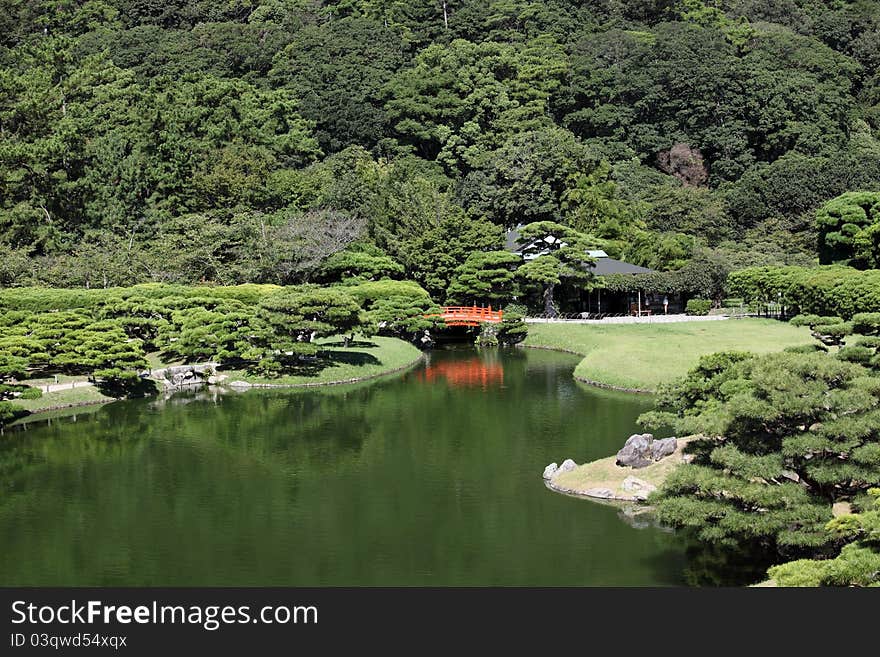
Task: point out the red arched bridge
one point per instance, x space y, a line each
469 315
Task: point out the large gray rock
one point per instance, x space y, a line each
567 466
636 451
641 450
663 447
550 470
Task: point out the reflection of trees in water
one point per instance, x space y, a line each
136 492
323 430
70 440
713 565
158 518
380 483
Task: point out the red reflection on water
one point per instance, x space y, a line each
465 373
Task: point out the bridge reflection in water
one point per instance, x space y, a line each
470 373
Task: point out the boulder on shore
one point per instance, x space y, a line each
552 470
639 488
641 450
636 451
567 466
663 447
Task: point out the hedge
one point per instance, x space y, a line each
698 307
829 291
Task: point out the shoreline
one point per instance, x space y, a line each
318 384
640 358
61 407
589 382
608 386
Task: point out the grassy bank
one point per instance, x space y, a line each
642 356
63 399
363 359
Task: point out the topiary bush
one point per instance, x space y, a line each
31 393
10 412
513 328
698 307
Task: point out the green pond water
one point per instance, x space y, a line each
430 478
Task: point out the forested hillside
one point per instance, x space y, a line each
249 140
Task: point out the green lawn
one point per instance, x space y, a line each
641 356
365 358
51 380
62 398
155 362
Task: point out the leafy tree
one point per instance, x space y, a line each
290 320
554 254
460 101
705 276
485 278
357 266
829 291
528 178
339 70
849 230
432 256
690 210
198 333
513 328
785 436
702 100
593 204
404 317
15 266
298 244
858 563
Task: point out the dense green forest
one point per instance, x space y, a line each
247 141
370 156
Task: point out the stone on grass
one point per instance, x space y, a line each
550 470
604 493
634 484
635 451
662 448
639 488
567 466
640 450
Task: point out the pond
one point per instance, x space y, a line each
430 478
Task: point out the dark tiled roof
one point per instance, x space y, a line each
604 266
601 266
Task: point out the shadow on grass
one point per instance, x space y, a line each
314 365
127 387
355 344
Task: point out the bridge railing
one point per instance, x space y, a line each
469 314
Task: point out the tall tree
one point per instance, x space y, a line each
554 254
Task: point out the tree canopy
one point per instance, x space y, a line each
187 142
